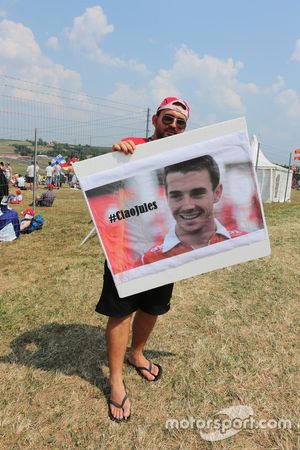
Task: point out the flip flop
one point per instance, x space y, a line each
139 370
119 406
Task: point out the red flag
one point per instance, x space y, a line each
296 157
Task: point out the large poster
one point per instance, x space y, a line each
177 207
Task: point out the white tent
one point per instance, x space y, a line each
275 182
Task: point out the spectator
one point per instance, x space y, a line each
9 222
49 173
19 195
3 182
71 173
170 119
47 198
20 182
15 199
31 222
26 222
56 175
30 172
8 171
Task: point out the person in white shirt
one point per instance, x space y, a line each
20 181
56 175
49 173
30 172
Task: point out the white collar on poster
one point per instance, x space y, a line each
171 239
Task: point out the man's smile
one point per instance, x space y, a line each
191 215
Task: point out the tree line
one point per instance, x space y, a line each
79 151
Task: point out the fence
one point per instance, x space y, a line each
65 116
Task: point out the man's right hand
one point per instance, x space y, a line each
126 147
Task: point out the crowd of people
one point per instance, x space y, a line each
296 180
12 187
54 175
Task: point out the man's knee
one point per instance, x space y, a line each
117 321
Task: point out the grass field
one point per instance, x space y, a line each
231 337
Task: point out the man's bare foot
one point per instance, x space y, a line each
119 409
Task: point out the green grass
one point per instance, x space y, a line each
231 337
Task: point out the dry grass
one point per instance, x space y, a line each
232 337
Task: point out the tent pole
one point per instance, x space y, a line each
147 122
288 176
257 155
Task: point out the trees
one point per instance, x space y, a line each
23 150
42 143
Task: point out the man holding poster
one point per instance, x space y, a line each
170 119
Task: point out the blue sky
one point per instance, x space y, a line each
226 58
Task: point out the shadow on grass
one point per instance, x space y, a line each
73 349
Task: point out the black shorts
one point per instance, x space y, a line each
155 301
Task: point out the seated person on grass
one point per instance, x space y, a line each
31 222
47 198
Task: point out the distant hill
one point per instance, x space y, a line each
20 152
8 148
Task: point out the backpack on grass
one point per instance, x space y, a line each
36 224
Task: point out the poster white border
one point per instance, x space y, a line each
112 167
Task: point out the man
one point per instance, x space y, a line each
3 182
56 175
20 182
30 173
49 172
192 188
170 119
47 198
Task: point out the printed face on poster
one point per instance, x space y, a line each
176 208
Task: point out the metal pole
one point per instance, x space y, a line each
34 173
288 176
257 155
147 122
88 236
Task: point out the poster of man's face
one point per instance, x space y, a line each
195 203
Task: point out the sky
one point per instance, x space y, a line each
227 59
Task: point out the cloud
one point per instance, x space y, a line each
279 85
21 56
3 13
86 35
17 43
52 42
289 101
129 96
89 29
296 54
214 81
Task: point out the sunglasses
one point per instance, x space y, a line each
168 119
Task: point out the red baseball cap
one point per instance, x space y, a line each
28 212
18 192
51 186
176 104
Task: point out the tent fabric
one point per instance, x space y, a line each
275 182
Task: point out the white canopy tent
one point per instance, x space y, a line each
275 182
